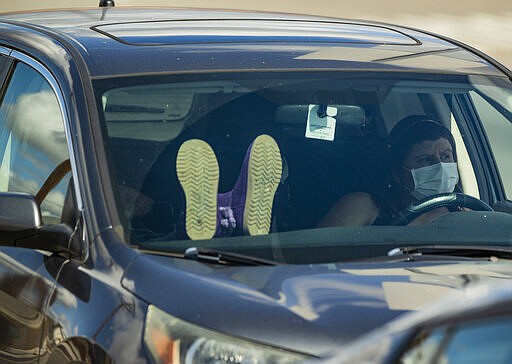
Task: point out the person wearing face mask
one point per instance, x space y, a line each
423 162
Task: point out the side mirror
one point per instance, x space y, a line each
21 225
20 217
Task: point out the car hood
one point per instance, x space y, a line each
306 308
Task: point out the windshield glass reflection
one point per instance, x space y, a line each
262 159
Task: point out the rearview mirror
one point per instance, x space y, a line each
348 115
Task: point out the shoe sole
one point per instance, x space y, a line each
198 174
263 177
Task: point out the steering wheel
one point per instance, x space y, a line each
448 200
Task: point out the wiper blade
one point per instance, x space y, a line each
224 258
469 251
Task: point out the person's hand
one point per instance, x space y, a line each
227 220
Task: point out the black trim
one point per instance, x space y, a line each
6 71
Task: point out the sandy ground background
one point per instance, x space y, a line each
485 25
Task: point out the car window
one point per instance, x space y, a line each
484 341
499 132
424 348
32 139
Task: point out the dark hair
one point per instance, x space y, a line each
412 130
408 132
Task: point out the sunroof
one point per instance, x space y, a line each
239 31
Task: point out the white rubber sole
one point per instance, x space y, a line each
263 177
198 173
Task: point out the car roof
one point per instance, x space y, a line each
125 41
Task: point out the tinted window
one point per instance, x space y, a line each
32 139
332 132
499 132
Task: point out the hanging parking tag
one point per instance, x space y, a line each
321 123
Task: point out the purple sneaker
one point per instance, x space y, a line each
198 174
253 194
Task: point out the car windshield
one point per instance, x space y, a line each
325 136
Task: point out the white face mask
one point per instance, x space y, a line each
437 178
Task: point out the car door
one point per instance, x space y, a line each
32 145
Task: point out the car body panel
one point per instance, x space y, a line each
26 285
319 299
484 305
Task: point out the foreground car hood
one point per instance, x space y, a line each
307 308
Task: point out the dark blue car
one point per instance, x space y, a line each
192 186
471 326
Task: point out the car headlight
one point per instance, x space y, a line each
170 340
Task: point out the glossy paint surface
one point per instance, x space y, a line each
195 46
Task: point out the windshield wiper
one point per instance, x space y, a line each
224 258
468 251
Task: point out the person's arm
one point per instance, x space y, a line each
428 217
353 209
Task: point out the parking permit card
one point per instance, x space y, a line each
321 126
